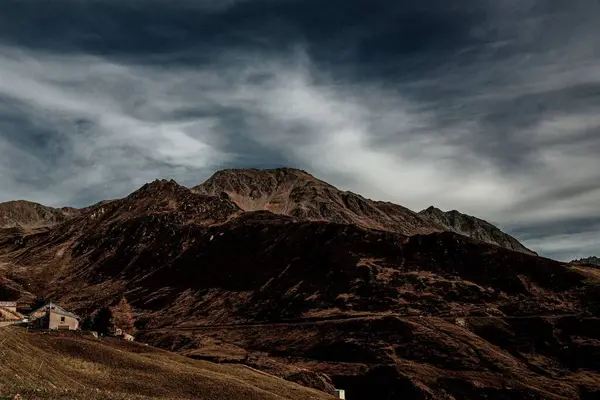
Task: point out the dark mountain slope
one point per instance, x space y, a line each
426 316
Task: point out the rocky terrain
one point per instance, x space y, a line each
25 214
284 273
476 228
593 261
296 193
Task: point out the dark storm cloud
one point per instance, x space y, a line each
487 107
94 24
366 36
563 241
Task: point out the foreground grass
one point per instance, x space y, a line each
66 365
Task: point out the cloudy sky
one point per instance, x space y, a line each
489 107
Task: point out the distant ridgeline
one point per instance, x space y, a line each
588 261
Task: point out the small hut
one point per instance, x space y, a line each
51 316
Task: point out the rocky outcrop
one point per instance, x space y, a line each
473 227
594 261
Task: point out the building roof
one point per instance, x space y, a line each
55 309
9 315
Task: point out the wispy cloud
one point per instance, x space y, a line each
101 121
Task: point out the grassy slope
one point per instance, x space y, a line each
72 366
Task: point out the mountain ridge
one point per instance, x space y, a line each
295 193
474 227
593 260
28 214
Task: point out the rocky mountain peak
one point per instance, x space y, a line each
256 183
167 196
593 260
283 172
158 186
296 193
455 221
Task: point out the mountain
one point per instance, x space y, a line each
383 314
26 214
69 365
298 194
476 228
595 261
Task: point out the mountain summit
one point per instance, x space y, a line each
296 193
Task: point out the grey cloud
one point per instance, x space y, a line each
489 109
567 247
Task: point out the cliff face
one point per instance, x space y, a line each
473 227
385 314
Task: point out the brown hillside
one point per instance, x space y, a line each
298 194
31 215
74 366
435 316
